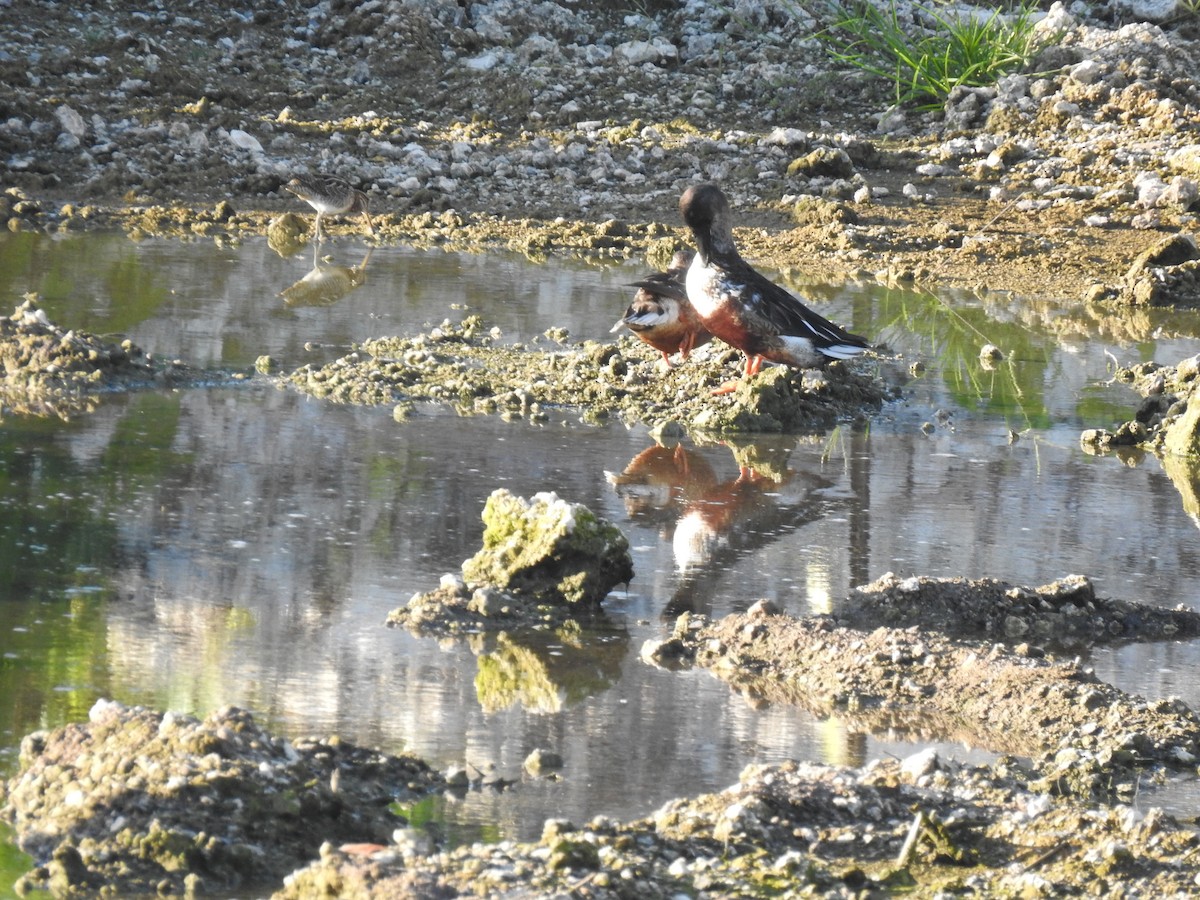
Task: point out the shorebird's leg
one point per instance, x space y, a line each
320 234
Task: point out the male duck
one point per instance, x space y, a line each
661 315
742 307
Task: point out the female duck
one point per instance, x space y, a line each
661 315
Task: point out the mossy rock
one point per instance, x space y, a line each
547 548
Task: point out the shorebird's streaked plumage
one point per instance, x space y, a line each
327 194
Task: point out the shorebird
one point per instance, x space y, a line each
744 308
327 194
660 313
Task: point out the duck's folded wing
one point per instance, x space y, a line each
785 314
664 285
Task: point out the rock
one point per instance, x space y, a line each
673 653
1170 251
549 549
1076 589
1182 436
1185 160
540 761
762 609
921 763
655 51
1165 274
1150 10
71 121
286 234
243 140
828 162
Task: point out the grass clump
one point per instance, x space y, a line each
926 62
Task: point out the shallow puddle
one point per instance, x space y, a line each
242 546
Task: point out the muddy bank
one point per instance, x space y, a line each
138 802
579 139
918 826
470 367
553 126
1086 736
46 369
1063 615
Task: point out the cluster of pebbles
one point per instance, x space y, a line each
139 801
1065 614
918 825
142 802
472 369
46 369
1167 421
136 801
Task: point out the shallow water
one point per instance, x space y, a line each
243 545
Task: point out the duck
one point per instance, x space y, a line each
660 314
744 308
327 194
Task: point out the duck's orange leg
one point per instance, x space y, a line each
686 345
753 364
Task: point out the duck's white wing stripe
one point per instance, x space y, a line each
842 351
648 319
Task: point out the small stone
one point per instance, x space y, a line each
540 761
763 608
924 762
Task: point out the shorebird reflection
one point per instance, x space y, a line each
326 284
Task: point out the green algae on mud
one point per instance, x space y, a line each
48 370
468 367
552 550
543 562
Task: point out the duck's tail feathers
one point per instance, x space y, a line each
843 351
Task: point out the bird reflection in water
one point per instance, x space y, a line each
711 522
660 481
326 284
